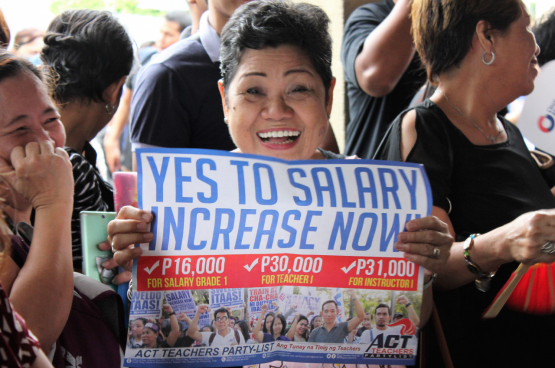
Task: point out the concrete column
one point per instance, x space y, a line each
338 11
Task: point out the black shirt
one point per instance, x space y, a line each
91 193
176 102
488 186
370 116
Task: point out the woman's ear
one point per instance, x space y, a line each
329 101
113 92
222 94
486 36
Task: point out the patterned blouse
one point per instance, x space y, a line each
18 346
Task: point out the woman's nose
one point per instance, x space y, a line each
277 109
44 135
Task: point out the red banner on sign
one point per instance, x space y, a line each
247 271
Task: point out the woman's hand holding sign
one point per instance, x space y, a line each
130 227
427 242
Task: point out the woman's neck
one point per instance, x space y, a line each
82 121
471 99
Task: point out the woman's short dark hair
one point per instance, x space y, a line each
545 37
244 326
272 23
283 325
443 29
87 50
12 66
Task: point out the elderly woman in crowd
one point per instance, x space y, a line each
481 55
276 67
36 176
90 55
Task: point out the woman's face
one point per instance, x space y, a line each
26 115
301 327
277 326
276 104
516 52
317 322
137 328
149 337
269 320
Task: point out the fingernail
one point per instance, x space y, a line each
400 246
136 251
402 237
146 216
148 236
105 264
141 226
410 226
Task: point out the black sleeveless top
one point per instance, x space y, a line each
485 187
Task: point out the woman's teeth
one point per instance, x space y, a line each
279 134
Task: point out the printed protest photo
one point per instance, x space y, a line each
302 315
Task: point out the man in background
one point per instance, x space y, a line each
174 23
382 71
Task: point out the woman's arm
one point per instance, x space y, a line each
174 334
42 293
259 335
519 240
115 129
293 329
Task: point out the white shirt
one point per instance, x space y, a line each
220 340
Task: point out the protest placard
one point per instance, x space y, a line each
291 304
227 220
537 121
260 296
146 304
182 302
227 298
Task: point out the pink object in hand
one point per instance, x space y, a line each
125 189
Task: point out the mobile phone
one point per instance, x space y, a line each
94 230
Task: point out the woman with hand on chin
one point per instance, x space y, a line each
277 92
482 56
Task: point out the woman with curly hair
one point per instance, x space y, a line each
89 54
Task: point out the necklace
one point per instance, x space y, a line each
490 138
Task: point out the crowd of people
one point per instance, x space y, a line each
223 329
255 77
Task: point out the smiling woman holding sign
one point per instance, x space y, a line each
277 91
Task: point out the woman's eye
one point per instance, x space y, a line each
253 91
20 129
51 120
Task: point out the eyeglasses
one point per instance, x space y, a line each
221 319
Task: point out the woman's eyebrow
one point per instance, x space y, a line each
297 71
254 74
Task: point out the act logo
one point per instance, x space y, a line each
546 123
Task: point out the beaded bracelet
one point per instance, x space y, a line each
483 281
